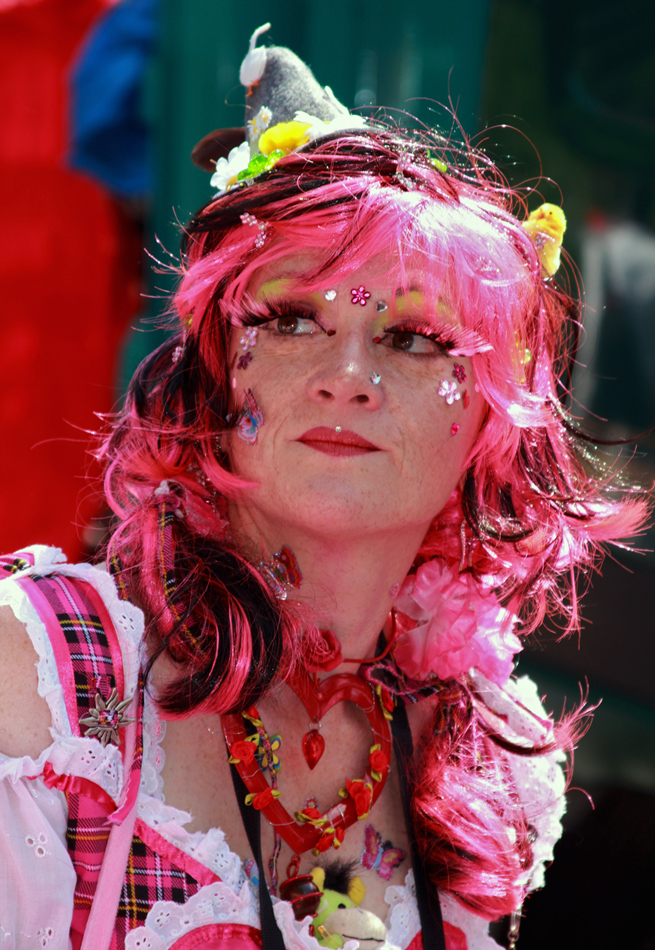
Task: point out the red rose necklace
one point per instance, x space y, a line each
312 829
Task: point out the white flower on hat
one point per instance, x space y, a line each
228 168
317 127
259 123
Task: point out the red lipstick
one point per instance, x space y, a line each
330 442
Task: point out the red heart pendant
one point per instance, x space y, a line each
313 746
317 700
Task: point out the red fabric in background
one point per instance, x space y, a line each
70 264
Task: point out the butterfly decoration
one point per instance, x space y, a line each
380 856
266 754
250 419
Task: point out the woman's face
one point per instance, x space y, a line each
367 421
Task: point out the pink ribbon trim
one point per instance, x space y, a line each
76 785
166 850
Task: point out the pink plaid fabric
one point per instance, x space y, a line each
89 662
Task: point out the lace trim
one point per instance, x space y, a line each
209 848
68 754
217 904
154 757
213 904
540 782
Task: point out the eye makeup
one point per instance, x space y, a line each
266 312
453 340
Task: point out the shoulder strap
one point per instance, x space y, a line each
90 667
427 897
83 638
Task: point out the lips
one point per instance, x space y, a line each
326 440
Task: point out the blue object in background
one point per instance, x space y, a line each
109 136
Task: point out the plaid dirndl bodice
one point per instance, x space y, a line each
90 668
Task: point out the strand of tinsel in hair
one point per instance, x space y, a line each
166 518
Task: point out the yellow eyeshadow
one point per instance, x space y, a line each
415 300
276 287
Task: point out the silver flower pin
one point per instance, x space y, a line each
107 718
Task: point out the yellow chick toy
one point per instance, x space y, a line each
546 226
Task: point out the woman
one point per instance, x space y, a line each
356 429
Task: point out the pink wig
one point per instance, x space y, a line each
532 512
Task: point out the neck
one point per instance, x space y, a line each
349 584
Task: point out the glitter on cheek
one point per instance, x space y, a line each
454 429
466 399
394 590
234 382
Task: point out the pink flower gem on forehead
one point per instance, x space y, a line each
360 295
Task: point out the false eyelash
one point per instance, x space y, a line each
280 308
456 341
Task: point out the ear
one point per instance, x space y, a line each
357 890
318 877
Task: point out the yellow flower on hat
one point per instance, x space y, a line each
286 136
546 226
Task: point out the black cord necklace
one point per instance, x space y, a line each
427 897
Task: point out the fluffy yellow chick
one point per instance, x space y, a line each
546 226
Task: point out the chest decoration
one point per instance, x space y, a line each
309 828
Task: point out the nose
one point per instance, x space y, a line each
346 376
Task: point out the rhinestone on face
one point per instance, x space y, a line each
381 306
330 295
375 378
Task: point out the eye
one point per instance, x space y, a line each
412 341
295 325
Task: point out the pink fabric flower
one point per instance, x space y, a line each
459 625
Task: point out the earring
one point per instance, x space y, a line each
464 545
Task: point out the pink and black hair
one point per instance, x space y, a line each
533 510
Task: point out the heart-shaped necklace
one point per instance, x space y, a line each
312 829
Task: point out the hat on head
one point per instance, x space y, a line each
286 108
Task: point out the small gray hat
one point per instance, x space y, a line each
281 89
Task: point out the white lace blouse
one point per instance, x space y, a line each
37 879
